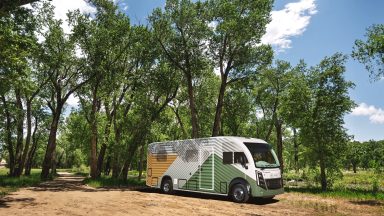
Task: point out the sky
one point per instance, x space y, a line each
303 29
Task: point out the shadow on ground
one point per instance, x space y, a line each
255 201
368 202
69 182
4 202
63 183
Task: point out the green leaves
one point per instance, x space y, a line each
371 52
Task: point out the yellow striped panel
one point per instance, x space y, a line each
157 165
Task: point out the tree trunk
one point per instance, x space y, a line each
115 162
279 137
28 137
192 107
31 153
138 139
8 130
103 148
100 159
108 166
176 111
20 134
296 150
219 107
141 162
354 167
322 174
94 135
54 162
51 146
124 171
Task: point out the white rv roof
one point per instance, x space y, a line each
233 138
243 139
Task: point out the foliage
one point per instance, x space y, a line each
80 170
197 70
367 155
323 133
364 185
371 52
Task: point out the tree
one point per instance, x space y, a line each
104 41
181 30
293 101
371 52
354 154
39 134
58 62
8 5
234 43
323 132
18 43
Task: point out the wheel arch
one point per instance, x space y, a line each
165 177
239 180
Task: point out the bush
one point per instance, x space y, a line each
81 170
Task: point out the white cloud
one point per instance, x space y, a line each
73 101
376 115
62 8
122 4
288 22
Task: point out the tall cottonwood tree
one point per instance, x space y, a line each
181 31
323 133
18 42
275 81
104 41
294 104
60 64
234 43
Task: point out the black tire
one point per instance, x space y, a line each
167 186
239 193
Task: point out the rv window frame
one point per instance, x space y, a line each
227 157
240 154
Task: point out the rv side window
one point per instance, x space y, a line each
240 158
191 155
227 157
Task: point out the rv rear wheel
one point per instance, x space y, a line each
239 193
167 186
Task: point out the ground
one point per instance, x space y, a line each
67 195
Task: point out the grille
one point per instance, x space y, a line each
274 183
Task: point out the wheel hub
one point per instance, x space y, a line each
239 194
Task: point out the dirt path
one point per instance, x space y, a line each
66 195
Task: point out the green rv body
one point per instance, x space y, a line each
235 166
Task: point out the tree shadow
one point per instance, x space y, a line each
197 195
5 201
368 202
63 183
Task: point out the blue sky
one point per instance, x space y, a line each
311 30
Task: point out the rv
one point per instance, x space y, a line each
235 166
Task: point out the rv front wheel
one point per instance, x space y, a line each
167 186
239 193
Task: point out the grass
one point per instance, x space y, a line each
363 185
107 181
10 184
82 170
337 192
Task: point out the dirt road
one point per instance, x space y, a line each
67 195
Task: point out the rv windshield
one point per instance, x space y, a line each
263 155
